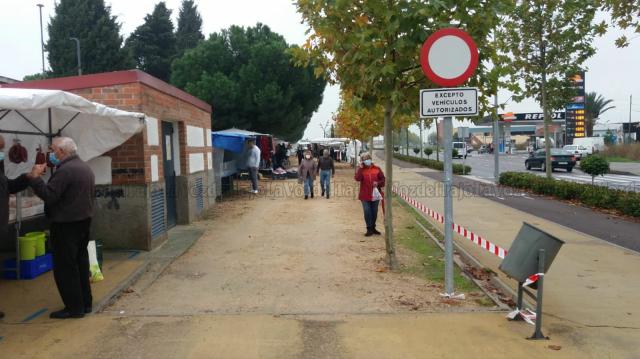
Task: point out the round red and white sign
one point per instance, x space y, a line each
449 57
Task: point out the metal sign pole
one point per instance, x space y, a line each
496 134
18 225
538 333
448 205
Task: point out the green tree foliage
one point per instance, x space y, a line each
38 76
416 150
372 48
98 31
189 32
546 42
609 138
428 151
595 105
247 74
595 166
152 46
625 14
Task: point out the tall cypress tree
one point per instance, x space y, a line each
189 31
152 45
98 31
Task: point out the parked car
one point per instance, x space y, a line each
559 159
578 150
462 149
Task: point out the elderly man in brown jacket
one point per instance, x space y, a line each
68 199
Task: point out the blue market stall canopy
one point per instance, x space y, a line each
233 139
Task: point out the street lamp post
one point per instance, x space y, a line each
629 129
77 41
41 37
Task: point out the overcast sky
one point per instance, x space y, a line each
613 72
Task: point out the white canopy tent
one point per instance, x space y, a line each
34 117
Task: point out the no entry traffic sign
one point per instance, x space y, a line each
449 57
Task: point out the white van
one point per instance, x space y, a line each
462 149
578 150
593 144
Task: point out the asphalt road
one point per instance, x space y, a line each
613 229
482 168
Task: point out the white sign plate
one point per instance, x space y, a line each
459 101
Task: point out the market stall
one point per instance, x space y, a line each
338 147
29 119
230 153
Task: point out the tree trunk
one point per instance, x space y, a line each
388 158
589 123
545 110
421 142
406 133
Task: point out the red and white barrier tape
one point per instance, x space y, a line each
483 243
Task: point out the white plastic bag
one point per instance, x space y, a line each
94 267
376 195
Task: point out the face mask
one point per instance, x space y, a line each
53 159
1 155
307 157
367 162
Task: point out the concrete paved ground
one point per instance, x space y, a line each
261 283
589 296
252 289
406 336
31 301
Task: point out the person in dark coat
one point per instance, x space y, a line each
68 204
300 154
8 187
326 170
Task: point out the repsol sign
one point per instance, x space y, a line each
537 116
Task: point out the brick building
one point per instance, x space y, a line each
160 177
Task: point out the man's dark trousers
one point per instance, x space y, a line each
71 264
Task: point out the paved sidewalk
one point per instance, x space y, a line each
590 293
31 301
628 167
260 336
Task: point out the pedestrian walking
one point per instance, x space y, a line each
307 173
300 155
371 180
253 162
327 170
68 204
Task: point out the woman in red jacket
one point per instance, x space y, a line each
371 181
